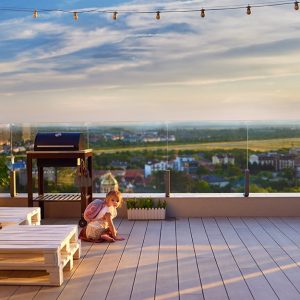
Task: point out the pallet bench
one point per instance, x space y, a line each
37 255
20 216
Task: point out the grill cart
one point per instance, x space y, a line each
62 149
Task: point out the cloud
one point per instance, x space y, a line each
130 59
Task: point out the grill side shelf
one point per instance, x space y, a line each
58 198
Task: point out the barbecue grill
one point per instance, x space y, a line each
60 149
58 141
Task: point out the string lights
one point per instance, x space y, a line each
75 15
157 13
35 14
248 10
202 12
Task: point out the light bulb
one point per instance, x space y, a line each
157 15
202 12
296 5
114 16
248 10
75 15
35 14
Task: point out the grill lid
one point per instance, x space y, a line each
58 141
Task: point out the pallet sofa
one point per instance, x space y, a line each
37 255
20 216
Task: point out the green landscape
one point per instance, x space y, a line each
254 145
130 149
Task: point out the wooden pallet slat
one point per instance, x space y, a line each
20 216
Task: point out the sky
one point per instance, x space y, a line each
226 66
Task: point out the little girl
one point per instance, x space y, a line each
102 226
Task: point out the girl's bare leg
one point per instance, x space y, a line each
106 236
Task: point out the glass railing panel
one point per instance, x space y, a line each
55 179
274 156
207 157
5 157
133 154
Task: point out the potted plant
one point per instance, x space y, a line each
145 209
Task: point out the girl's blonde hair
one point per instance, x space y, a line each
114 195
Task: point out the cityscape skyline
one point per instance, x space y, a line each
226 66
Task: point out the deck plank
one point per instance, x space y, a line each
293 222
290 232
277 279
212 283
80 279
145 280
231 274
167 275
257 283
123 279
244 258
189 280
105 271
283 251
6 292
52 293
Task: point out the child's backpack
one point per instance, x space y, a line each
93 209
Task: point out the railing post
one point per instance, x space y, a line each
167 183
12 187
247 183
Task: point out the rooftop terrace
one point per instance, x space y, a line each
184 258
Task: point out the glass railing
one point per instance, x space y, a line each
5 152
208 157
203 157
274 157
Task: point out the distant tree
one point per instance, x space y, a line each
180 182
201 186
288 173
257 189
202 171
4 177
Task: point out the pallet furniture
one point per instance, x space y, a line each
85 195
20 216
37 255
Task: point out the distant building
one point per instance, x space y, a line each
134 176
155 138
182 163
277 161
254 159
119 164
286 161
151 167
185 164
223 159
108 183
295 151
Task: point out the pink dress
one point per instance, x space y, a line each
98 225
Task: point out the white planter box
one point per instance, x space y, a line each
146 213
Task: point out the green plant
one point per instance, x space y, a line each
144 203
161 204
131 203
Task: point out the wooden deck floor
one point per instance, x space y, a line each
208 258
